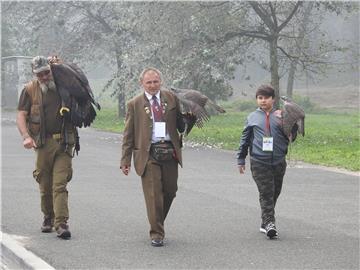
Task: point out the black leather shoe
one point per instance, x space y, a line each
157 242
63 231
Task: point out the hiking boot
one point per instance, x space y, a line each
63 231
271 231
47 225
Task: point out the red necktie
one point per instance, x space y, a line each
157 110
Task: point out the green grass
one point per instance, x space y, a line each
331 139
108 120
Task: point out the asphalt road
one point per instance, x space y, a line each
213 224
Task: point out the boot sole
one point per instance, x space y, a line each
64 235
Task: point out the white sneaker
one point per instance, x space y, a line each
271 230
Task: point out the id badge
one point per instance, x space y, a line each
160 129
267 144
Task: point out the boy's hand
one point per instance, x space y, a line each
241 169
278 113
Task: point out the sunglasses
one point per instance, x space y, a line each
43 73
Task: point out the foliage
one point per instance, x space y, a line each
16 35
240 105
305 103
195 44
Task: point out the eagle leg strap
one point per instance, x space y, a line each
64 110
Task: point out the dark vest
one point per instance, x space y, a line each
35 119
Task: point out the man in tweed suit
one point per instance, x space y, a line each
153 119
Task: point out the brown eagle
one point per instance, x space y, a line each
75 92
293 119
194 102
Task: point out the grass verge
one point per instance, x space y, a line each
331 139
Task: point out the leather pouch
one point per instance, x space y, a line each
162 151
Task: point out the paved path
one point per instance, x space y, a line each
213 223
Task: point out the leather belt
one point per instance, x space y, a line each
162 142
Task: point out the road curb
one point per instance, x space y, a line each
14 252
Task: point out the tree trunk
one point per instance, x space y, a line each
274 69
121 91
121 103
291 78
299 45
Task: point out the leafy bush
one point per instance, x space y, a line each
305 103
241 105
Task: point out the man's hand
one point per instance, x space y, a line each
29 143
241 169
125 169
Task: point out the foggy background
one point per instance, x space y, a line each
223 49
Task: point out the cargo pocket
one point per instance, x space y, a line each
36 175
69 174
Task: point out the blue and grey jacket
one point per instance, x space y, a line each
252 136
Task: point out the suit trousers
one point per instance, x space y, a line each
53 171
159 183
269 180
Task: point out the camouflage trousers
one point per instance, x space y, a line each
269 179
53 171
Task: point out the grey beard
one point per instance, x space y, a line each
48 86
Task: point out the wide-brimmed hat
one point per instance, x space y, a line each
39 63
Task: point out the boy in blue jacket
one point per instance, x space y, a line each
268 147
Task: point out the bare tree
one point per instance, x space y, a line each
302 29
268 25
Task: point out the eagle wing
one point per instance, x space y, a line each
194 101
193 107
75 92
84 82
